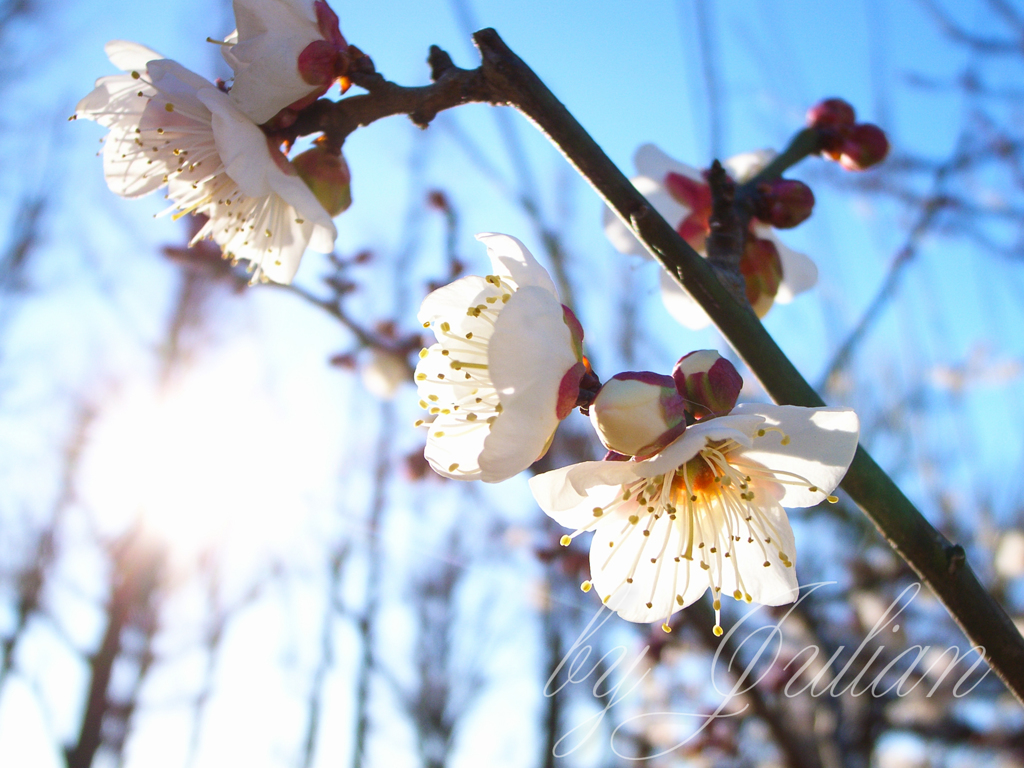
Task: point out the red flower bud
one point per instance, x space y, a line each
831 113
762 271
708 383
327 175
696 197
319 62
865 146
784 203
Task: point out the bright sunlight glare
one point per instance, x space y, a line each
195 462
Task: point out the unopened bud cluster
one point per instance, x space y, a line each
638 413
855 146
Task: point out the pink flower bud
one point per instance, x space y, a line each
761 268
784 203
638 413
327 175
695 196
708 383
831 113
319 63
865 146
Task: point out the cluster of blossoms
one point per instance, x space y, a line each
212 147
691 493
772 271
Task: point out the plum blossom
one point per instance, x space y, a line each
706 512
505 370
680 194
171 128
285 53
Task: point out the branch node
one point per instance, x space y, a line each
440 62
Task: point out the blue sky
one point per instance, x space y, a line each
630 73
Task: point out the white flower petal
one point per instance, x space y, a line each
821 445
650 161
621 237
180 87
526 374
775 584
569 494
449 304
242 146
453 447
651 595
681 305
511 259
736 426
270 36
799 273
492 379
128 56
747 165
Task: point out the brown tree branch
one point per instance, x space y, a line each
503 78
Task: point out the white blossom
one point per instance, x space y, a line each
706 512
505 369
171 128
653 166
264 52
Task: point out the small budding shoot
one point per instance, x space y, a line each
855 146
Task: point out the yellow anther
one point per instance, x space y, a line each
421 377
717 605
718 630
832 499
423 353
439 434
445 326
169 107
470 417
737 595
666 628
585 586
565 540
679 599
634 519
598 511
